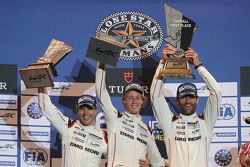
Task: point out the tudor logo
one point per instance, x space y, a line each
128 77
140 33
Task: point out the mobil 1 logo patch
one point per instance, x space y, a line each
8 78
141 34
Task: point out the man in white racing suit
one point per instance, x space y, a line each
187 136
83 143
130 142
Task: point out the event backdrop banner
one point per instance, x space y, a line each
8 78
26 136
9 142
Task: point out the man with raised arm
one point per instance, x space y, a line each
83 142
130 141
187 136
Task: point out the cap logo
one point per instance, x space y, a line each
86 99
133 85
186 87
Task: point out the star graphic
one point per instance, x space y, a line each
128 35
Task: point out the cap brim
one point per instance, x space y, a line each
88 105
137 90
187 93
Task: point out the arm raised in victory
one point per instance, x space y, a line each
159 104
51 112
214 99
106 105
160 107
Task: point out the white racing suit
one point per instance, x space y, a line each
129 139
187 138
82 146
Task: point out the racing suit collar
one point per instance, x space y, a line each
133 116
89 127
188 117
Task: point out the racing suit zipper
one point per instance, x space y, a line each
206 150
169 151
114 151
186 123
135 138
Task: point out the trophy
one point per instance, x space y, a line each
41 73
105 49
180 30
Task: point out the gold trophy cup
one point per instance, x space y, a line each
41 73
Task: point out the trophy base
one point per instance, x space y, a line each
177 68
176 74
104 50
38 75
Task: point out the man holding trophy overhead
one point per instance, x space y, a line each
83 142
187 135
130 142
